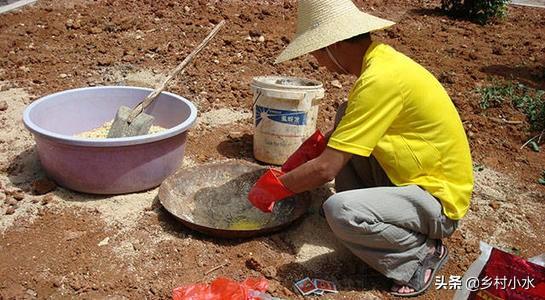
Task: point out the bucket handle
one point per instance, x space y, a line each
259 93
306 96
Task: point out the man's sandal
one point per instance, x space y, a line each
433 261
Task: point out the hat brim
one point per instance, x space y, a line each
330 33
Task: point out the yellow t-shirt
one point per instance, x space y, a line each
401 114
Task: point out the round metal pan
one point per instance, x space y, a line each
212 199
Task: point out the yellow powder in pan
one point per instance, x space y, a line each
102 131
244 224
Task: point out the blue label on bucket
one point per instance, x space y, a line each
283 116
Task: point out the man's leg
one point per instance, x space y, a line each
361 172
389 228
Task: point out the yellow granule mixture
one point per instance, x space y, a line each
244 224
102 131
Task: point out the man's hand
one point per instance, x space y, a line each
316 172
310 149
268 190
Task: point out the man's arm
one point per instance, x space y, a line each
303 173
316 172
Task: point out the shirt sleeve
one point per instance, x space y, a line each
373 105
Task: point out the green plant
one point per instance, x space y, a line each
495 95
541 180
478 167
482 11
532 103
513 250
534 146
535 110
529 101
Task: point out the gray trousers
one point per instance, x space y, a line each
388 227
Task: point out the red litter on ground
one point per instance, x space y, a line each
223 288
497 274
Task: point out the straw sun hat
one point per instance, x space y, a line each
321 23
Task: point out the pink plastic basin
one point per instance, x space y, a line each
107 166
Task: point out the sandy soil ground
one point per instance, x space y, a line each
63 244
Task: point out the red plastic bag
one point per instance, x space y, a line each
510 277
498 275
221 289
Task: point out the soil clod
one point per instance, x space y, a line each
11 201
494 204
43 186
17 194
47 199
253 264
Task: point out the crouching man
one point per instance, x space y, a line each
398 152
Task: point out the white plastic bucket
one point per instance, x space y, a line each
285 113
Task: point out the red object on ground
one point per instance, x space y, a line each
267 190
220 289
510 277
310 149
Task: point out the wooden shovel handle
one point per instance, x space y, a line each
139 108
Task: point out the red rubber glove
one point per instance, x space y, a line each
267 190
310 149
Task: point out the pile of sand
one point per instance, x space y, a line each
102 131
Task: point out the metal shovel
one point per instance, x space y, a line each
134 122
